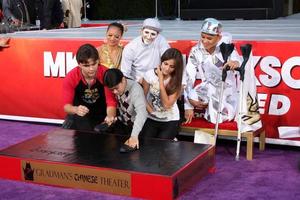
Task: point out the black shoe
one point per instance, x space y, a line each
127 149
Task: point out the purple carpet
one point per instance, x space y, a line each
273 174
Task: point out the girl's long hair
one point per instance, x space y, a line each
174 84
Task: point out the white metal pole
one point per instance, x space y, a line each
178 7
156 9
290 7
219 111
238 146
84 8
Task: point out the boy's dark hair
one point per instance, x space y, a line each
85 52
112 77
118 25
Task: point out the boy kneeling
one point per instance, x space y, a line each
131 106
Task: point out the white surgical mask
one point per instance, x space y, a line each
149 35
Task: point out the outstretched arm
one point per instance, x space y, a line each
139 104
146 86
111 109
111 114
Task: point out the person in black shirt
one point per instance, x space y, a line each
16 12
50 14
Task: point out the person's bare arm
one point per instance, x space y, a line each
146 86
78 110
111 114
4 42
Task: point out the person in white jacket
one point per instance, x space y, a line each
72 12
206 62
143 53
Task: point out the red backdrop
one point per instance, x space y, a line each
32 71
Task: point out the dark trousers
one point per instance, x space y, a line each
162 130
81 123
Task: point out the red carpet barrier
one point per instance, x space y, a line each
32 71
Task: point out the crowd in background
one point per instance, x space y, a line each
44 14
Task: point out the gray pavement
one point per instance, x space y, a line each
283 29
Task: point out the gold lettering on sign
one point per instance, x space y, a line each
81 177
